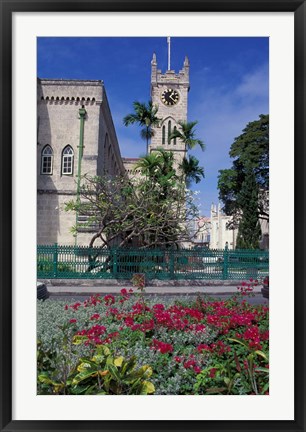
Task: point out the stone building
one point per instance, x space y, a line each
75 136
212 232
220 234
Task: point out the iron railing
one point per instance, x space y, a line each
80 262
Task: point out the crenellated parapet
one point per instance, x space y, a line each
70 91
77 100
170 77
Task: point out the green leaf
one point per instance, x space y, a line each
98 358
103 350
118 361
87 366
83 376
262 354
114 372
265 388
144 372
227 381
78 340
261 369
239 342
147 388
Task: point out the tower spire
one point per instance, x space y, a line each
169 46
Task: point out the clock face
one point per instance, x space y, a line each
170 97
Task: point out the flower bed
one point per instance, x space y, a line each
130 344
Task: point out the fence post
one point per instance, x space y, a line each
225 262
171 266
115 263
55 260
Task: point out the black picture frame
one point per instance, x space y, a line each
7 9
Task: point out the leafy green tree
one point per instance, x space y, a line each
156 165
249 231
250 152
145 115
134 211
191 170
159 170
187 135
190 164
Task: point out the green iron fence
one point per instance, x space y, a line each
80 262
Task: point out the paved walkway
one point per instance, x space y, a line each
80 293
159 290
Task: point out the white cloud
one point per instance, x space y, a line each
222 114
255 84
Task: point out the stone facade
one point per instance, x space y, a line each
169 114
212 232
71 112
60 104
220 234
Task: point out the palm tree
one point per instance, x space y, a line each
148 165
191 170
157 165
144 116
159 170
187 135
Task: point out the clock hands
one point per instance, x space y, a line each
170 96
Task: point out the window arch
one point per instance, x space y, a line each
169 131
164 135
67 160
47 160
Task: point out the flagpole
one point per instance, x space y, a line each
168 41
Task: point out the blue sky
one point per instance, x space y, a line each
229 86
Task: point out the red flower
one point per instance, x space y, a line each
72 321
109 300
203 347
162 347
212 372
95 316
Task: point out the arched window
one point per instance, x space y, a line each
67 161
164 135
47 160
174 139
169 131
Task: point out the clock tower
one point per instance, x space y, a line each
169 91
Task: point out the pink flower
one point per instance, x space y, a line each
95 316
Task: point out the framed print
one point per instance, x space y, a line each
243 61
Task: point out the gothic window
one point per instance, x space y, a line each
164 135
67 161
174 139
169 131
46 160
